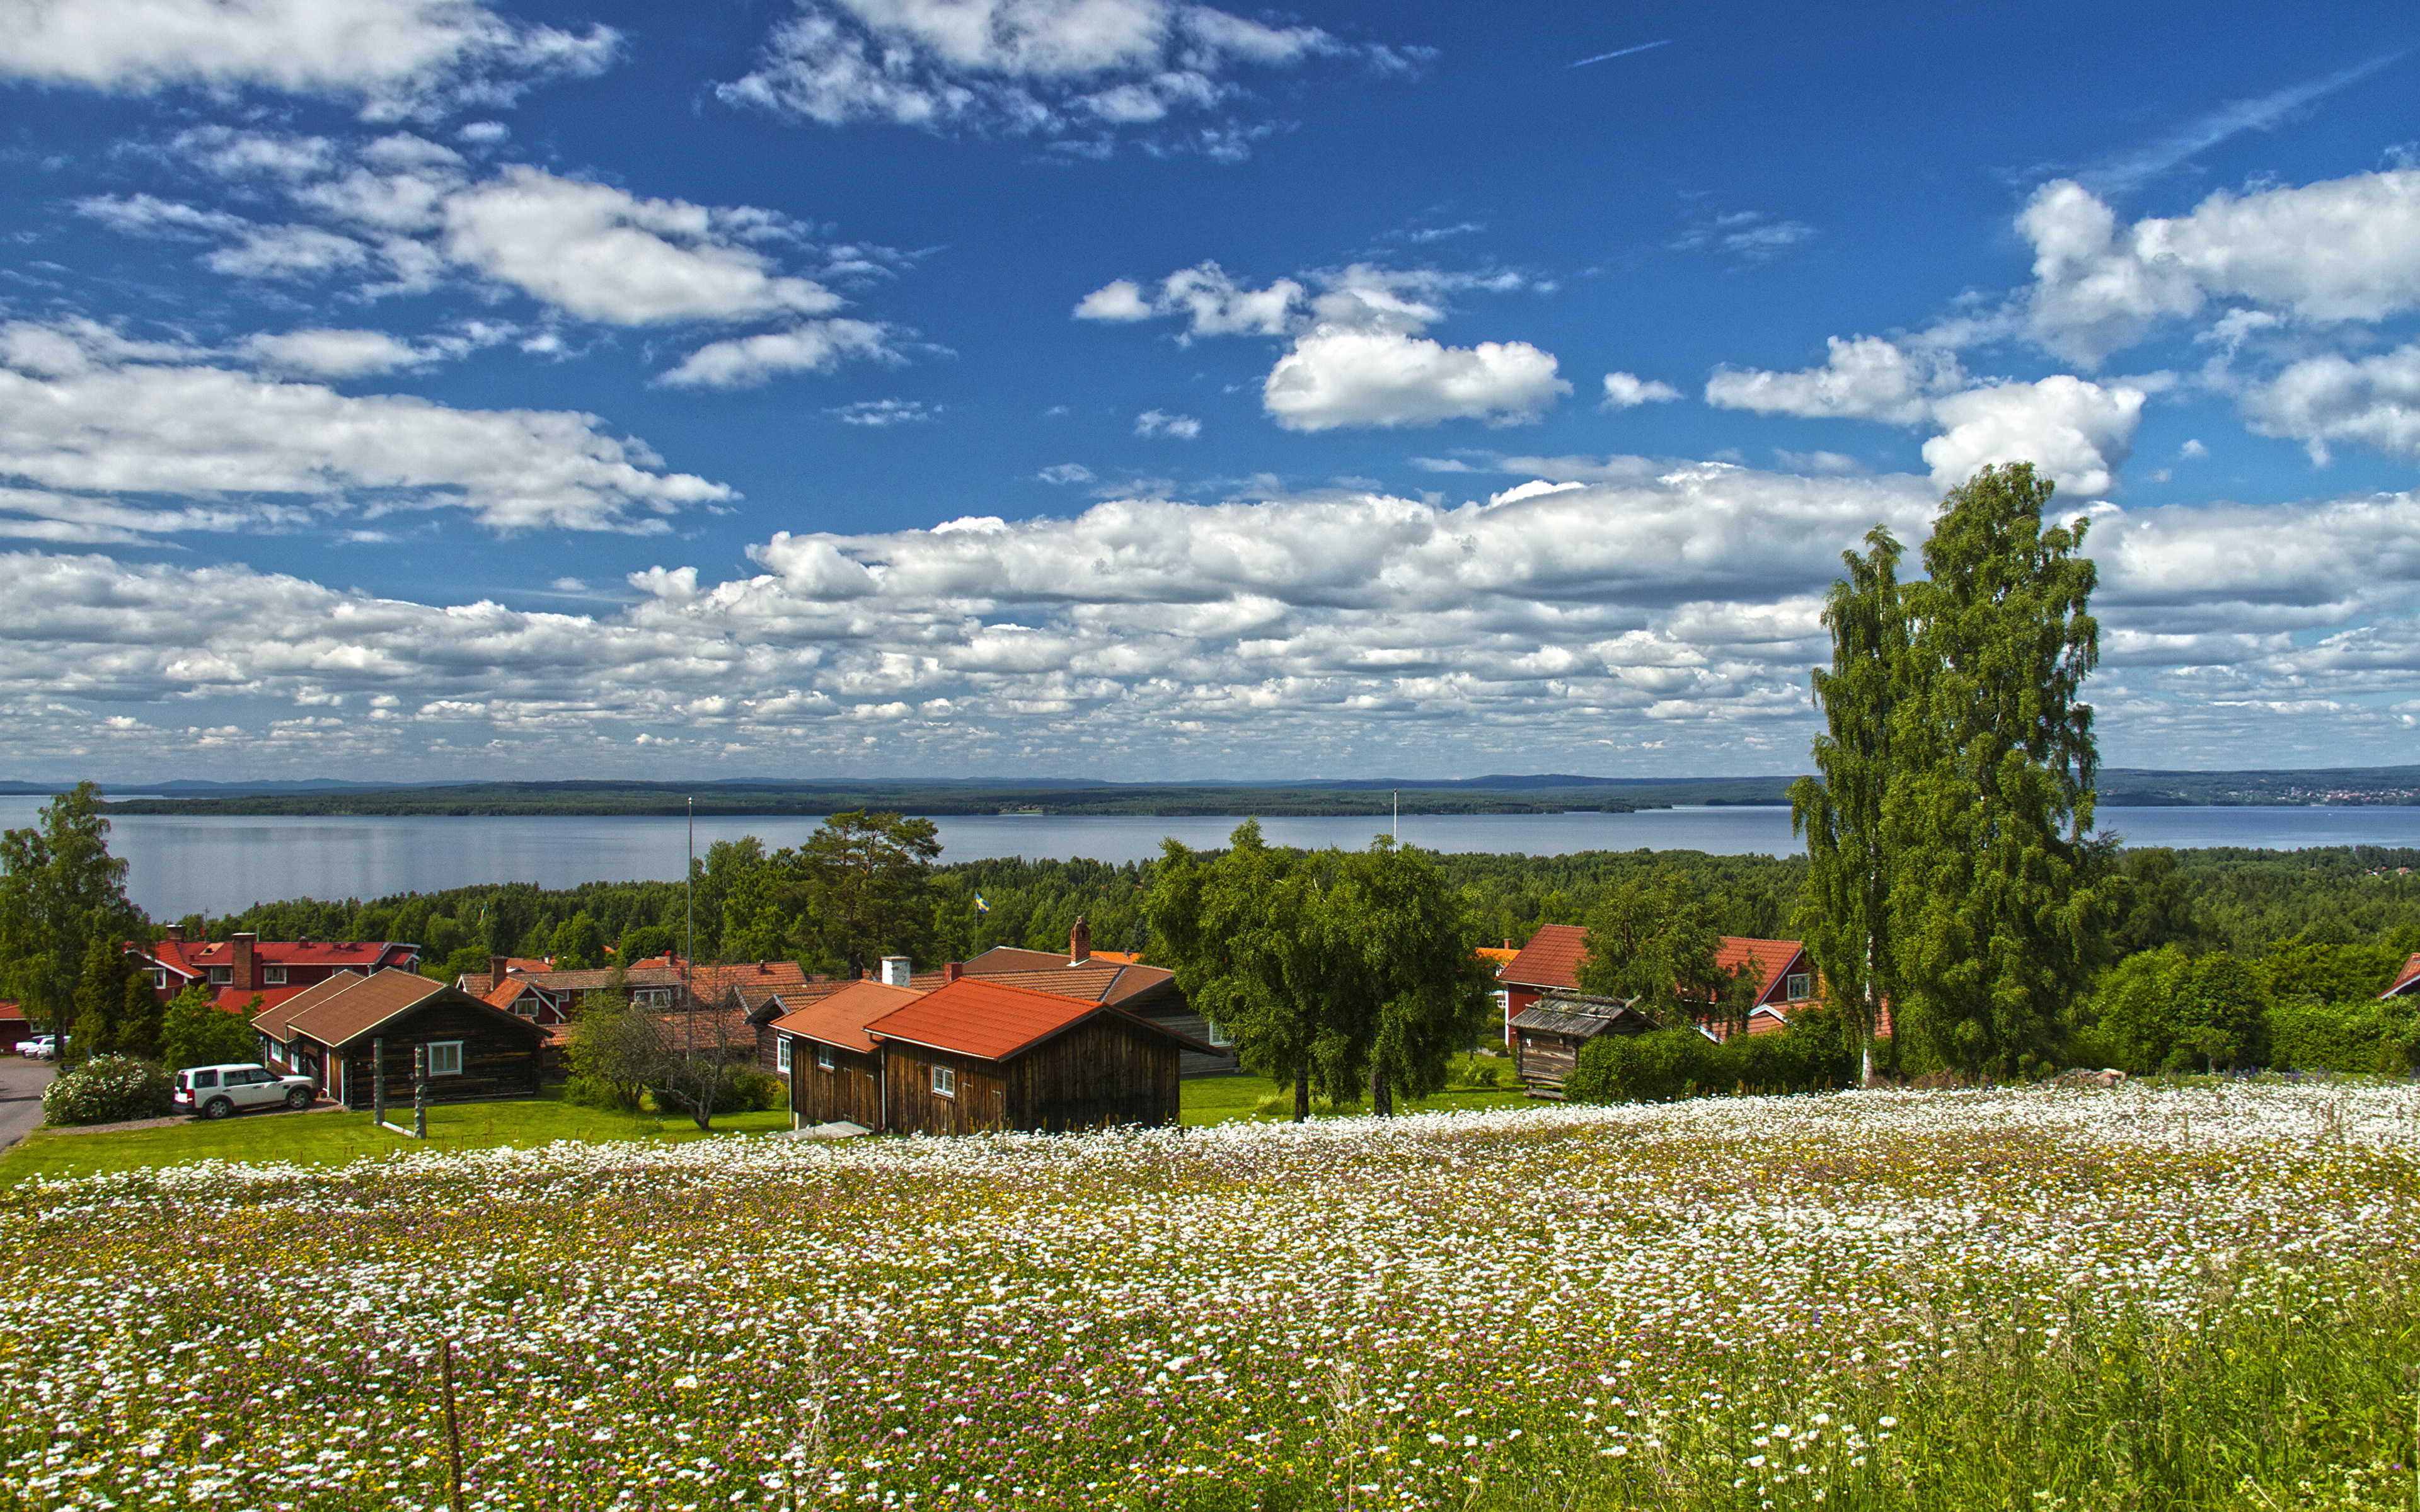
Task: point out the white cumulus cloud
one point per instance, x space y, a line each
1338 376
2342 250
2371 401
391 56
603 253
1865 379
82 414
322 352
1075 71
816 347
1628 390
2076 432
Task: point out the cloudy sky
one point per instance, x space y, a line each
1137 389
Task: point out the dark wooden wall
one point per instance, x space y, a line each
1548 1058
907 1077
851 1090
1168 1008
498 1060
1102 1072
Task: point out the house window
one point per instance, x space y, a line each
782 1055
652 996
1798 985
445 1057
159 976
945 1082
825 1059
1219 1036
272 976
222 975
525 1006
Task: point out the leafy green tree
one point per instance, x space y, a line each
1844 915
1656 944
1402 952
99 1003
578 944
1241 933
1950 868
615 1049
865 884
2152 903
2130 1020
642 943
141 1020
195 1031
2221 1016
60 890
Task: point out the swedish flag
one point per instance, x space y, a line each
981 906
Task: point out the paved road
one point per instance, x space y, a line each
21 1097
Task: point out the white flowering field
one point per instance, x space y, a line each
1864 1298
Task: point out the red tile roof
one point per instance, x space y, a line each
2406 979
1773 960
1096 976
989 1020
1550 960
839 1018
195 957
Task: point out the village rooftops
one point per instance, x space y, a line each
1551 960
1093 976
994 1020
839 1019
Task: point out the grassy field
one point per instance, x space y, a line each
2143 1299
1227 1099
335 1138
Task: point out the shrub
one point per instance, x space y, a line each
2344 1037
759 1091
108 1089
1667 1064
1483 1075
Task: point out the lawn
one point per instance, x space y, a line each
2014 1300
333 1138
1209 1100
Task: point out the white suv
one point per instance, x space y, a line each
215 1092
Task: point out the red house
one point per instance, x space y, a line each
243 966
1550 964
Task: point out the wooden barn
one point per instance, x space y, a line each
333 1031
977 1055
1549 1034
833 1066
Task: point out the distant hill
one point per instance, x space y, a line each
1547 793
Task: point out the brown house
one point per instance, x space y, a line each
834 1067
336 1032
977 1055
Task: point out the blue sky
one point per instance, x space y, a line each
1113 388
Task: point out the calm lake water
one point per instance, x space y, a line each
219 864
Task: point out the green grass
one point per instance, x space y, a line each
1225 1099
333 1138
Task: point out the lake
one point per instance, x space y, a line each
219 865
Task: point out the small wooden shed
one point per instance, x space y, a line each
1547 1036
977 1055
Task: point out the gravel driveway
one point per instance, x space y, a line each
21 1097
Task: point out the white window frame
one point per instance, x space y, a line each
1218 1036
1798 985
825 1059
945 1081
159 976
272 976
782 1054
448 1049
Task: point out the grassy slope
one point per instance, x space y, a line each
333 1138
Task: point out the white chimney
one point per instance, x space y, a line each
895 970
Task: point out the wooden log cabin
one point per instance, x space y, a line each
1549 1034
975 1055
833 1066
334 1030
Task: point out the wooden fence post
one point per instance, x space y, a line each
420 1092
378 1078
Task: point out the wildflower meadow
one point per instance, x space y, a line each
2142 1297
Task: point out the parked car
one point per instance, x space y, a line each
40 1047
216 1091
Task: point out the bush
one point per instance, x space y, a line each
1482 1074
1809 1056
2344 1037
759 1091
108 1089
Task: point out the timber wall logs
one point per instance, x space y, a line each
850 1091
1103 1071
498 1060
